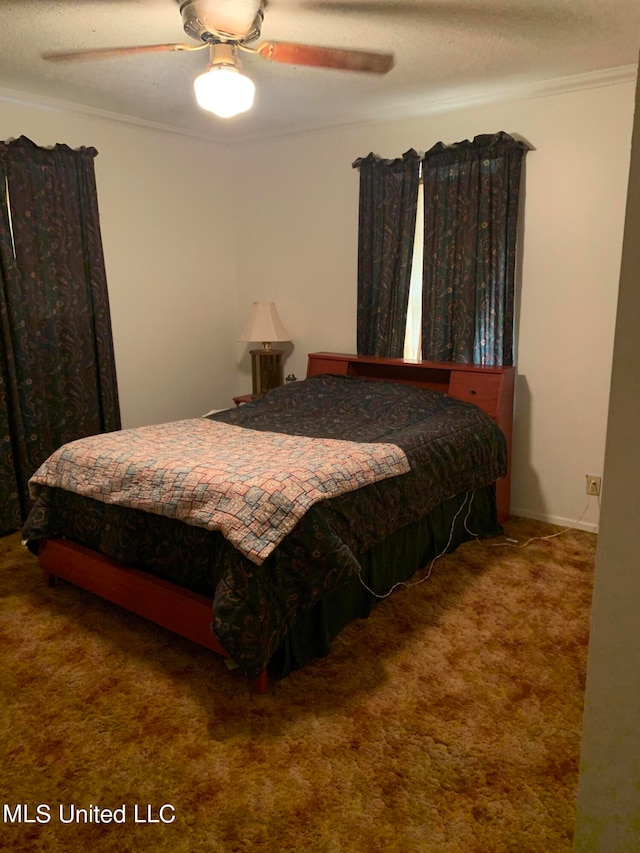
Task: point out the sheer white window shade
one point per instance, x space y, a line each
6 189
413 329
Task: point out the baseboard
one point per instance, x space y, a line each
589 526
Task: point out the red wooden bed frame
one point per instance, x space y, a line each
190 615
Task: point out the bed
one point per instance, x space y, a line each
273 594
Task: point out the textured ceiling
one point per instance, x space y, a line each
445 50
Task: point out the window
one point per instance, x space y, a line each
436 259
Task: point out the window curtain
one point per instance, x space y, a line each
57 370
471 196
386 226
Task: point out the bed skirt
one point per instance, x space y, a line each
188 557
397 559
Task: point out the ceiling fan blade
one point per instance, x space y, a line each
326 57
109 52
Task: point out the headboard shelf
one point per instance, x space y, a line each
437 380
489 388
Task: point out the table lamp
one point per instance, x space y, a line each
265 325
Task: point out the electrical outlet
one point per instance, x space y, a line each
593 485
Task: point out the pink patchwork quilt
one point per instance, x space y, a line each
250 485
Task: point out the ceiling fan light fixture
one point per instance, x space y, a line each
224 91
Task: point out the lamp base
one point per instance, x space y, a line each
266 369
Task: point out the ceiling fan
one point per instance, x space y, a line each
229 26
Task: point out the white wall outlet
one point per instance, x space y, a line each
593 485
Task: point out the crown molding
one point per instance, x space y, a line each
417 108
44 102
515 92
392 111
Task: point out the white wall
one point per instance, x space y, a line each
186 256
301 226
609 801
169 255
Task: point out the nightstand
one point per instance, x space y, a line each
245 398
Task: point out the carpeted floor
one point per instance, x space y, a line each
448 721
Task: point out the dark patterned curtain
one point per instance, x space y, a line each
57 371
387 221
471 195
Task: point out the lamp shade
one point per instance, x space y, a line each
264 324
223 90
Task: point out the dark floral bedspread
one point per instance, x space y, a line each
453 448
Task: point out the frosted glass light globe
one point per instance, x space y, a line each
223 90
